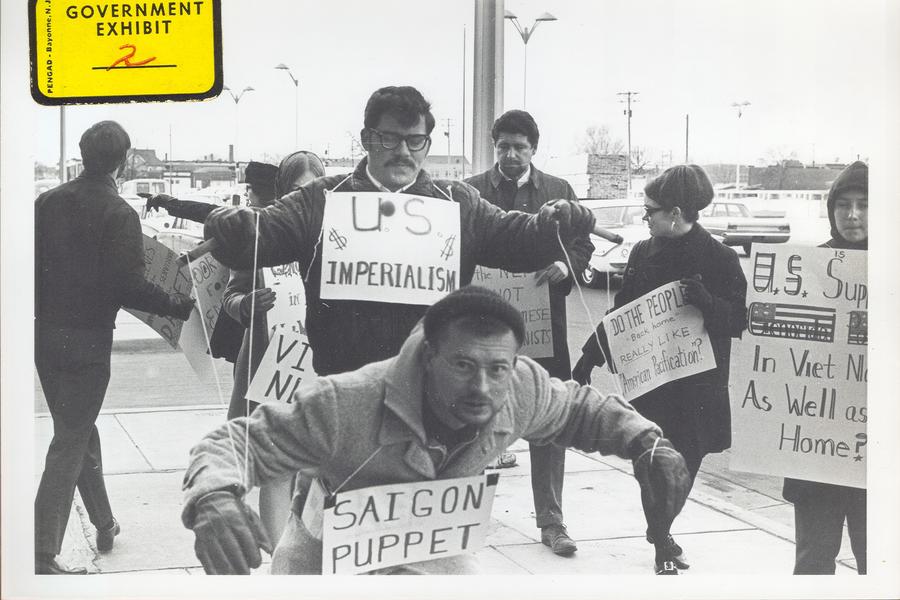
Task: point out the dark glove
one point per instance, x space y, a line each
665 483
696 293
228 535
265 300
180 306
573 219
156 202
581 372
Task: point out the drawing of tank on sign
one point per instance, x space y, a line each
811 323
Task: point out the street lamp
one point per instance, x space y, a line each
236 98
740 107
284 67
526 34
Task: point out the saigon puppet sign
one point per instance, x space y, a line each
377 527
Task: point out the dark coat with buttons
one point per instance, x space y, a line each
540 189
693 412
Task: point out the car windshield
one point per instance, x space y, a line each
617 216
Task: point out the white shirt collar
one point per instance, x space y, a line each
522 180
381 187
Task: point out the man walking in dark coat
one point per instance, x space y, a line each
89 262
513 183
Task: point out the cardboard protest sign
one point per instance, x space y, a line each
798 375
204 279
286 364
389 525
531 300
161 268
290 298
388 247
210 278
655 339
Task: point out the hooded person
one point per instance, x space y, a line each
820 509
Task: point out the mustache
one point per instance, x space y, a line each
400 162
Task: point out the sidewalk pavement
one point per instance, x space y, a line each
723 523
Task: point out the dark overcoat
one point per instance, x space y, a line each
693 412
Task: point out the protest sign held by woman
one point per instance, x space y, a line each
694 411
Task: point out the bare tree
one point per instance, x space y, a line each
639 160
597 140
781 154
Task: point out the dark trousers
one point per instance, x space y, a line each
73 365
548 466
548 463
818 526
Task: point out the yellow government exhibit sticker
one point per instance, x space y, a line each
126 50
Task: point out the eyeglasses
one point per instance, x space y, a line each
389 141
650 210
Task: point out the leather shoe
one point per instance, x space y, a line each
105 537
558 539
666 567
671 552
45 564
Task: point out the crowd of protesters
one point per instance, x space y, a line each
405 390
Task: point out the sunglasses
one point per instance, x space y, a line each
650 210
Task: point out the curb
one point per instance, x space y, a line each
142 345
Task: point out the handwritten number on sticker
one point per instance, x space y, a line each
127 58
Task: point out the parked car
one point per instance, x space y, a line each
737 226
623 217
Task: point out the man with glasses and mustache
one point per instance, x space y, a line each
347 334
513 183
455 397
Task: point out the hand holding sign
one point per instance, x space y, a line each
695 292
259 301
551 274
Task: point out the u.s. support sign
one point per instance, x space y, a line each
125 50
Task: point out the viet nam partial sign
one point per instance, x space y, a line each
530 299
388 525
655 339
386 247
124 50
285 366
799 373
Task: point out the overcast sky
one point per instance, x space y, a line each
811 70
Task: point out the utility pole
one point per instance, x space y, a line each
628 96
740 107
447 133
687 132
